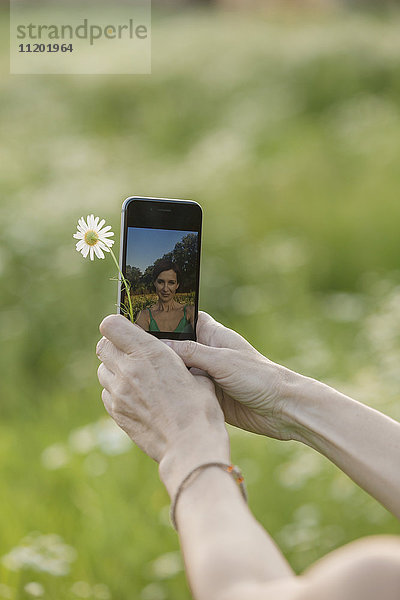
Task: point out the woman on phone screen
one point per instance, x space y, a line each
167 314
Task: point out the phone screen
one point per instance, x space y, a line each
161 262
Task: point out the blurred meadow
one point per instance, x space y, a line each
285 127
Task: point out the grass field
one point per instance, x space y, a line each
286 129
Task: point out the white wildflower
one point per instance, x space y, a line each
83 439
34 588
111 439
167 565
55 456
103 434
45 553
153 591
93 237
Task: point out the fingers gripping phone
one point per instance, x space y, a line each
160 260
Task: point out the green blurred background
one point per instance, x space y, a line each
285 126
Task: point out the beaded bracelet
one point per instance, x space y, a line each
231 469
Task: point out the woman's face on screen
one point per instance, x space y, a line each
166 285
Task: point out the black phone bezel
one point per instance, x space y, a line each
162 213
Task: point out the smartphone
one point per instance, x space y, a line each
160 260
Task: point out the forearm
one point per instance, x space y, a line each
364 443
223 545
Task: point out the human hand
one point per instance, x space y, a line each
168 412
251 390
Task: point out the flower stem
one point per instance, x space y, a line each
126 285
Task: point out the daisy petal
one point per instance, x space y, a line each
107 243
103 246
81 244
93 230
98 251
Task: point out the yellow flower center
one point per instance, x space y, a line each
91 238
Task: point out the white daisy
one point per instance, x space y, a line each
93 237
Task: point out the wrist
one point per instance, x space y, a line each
192 449
307 403
285 394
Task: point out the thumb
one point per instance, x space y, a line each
209 359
